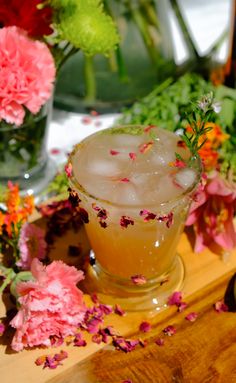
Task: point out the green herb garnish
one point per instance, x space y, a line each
202 112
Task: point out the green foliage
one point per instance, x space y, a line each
165 105
169 103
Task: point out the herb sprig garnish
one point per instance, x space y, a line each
202 112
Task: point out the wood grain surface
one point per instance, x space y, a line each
203 351
200 351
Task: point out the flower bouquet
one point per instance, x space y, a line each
27 76
36 37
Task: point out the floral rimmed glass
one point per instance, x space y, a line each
23 155
134 195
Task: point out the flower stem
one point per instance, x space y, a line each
9 275
122 71
143 28
90 81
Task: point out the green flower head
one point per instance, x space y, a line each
85 25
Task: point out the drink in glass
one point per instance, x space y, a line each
135 185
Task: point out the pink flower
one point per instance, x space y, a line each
27 74
50 305
212 214
31 245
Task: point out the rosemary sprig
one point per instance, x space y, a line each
202 112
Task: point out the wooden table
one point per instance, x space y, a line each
202 351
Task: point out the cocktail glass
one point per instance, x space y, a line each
134 186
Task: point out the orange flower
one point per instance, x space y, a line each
209 158
214 139
18 209
13 197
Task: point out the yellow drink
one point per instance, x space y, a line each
137 194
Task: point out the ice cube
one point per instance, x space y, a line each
125 194
126 140
163 157
186 177
103 167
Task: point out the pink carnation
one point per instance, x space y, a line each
31 245
27 74
212 214
50 305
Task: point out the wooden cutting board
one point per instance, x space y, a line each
203 351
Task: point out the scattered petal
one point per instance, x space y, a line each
94 113
147 215
109 330
51 363
138 279
79 341
86 120
221 307
101 214
69 169
143 148
106 309
97 338
169 330
132 156
191 317
40 360
168 219
175 299
160 341
126 221
182 306
145 326
94 298
125 345
55 151
114 152
178 164
118 310
61 356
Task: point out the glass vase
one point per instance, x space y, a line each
143 58
23 155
